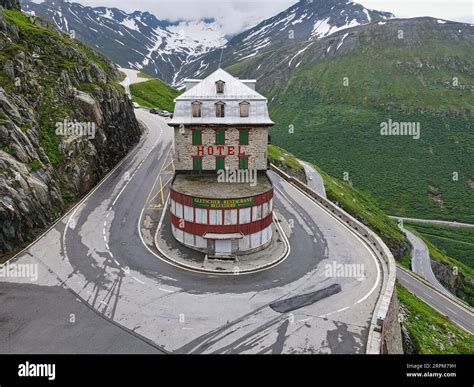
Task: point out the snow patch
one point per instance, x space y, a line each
299 53
130 24
368 15
342 41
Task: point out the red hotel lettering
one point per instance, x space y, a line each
200 150
219 150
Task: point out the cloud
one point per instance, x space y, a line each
236 15
233 15
456 10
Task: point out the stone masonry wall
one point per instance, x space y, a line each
257 148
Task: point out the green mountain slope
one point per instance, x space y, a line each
356 203
330 97
154 94
456 242
429 331
425 331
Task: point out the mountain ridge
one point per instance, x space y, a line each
339 90
136 40
170 52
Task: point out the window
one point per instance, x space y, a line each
243 163
197 109
220 137
188 214
220 163
244 215
244 109
220 87
220 109
197 163
243 137
201 215
215 217
256 213
179 210
197 137
230 217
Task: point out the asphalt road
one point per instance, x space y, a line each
313 179
421 262
443 304
433 221
102 253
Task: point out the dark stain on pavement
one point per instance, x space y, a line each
297 302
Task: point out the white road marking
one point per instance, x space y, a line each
139 281
166 290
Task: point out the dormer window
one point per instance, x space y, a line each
220 109
197 109
220 87
244 109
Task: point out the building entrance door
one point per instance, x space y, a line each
223 247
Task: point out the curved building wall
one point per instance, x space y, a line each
202 223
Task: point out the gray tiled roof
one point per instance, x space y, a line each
235 92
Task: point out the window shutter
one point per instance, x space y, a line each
197 163
197 137
220 163
243 163
220 137
243 137
244 109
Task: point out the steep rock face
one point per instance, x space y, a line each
48 81
454 281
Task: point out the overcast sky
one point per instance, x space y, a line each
236 15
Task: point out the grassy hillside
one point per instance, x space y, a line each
336 125
154 94
430 332
456 242
462 283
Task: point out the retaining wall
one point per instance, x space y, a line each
385 332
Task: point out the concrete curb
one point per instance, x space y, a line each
182 265
381 251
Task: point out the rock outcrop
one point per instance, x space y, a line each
454 281
64 123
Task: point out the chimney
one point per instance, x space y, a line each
190 83
249 82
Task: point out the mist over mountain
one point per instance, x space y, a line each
173 51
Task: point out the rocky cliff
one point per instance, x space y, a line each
64 123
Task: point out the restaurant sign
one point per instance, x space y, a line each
223 203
